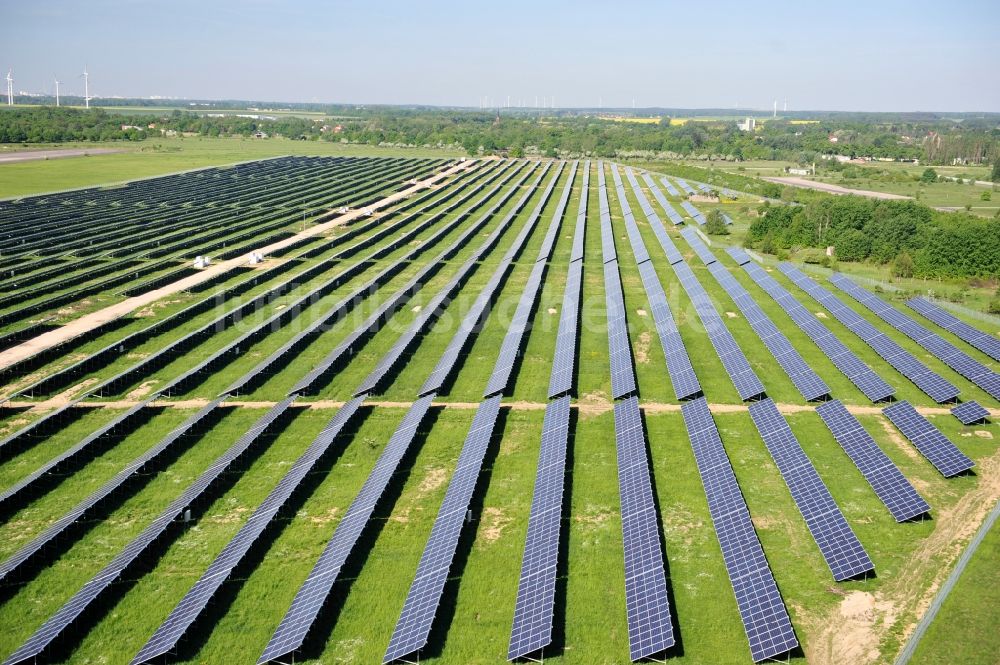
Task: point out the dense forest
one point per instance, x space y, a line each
932 140
916 240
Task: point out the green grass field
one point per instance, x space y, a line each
852 622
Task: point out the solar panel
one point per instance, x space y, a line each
932 444
765 619
970 412
670 187
64 618
694 213
738 255
837 542
564 359
312 595
699 247
862 376
414 625
683 183
983 341
648 611
892 488
619 347
576 253
747 383
933 385
942 349
194 602
533 610
545 251
682 375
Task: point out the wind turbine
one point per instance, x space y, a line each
86 87
10 87
57 91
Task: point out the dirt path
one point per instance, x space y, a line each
90 321
833 189
590 406
853 631
30 155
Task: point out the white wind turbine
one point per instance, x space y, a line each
57 90
86 87
10 87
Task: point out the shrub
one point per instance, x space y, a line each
903 265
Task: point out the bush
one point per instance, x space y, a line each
903 265
715 224
986 196
994 306
929 175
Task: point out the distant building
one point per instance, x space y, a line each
800 171
260 135
748 125
125 128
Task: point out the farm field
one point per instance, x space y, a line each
332 392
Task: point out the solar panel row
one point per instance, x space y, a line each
933 385
194 602
479 308
765 619
64 618
300 618
414 624
837 542
323 322
942 349
436 305
682 376
892 488
311 382
932 444
56 469
747 383
684 185
806 380
694 213
511 346
30 552
670 188
533 610
862 376
564 358
977 338
661 199
647 609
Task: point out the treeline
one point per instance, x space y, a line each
917 240
565 134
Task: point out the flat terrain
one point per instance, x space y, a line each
859 621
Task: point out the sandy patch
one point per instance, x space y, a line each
642 347
732 315
641 312
416 308
820 315
435 478
494 522
983 434
552 310
894 436
144 389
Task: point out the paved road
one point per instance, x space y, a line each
30 155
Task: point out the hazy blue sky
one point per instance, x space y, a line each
847 55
